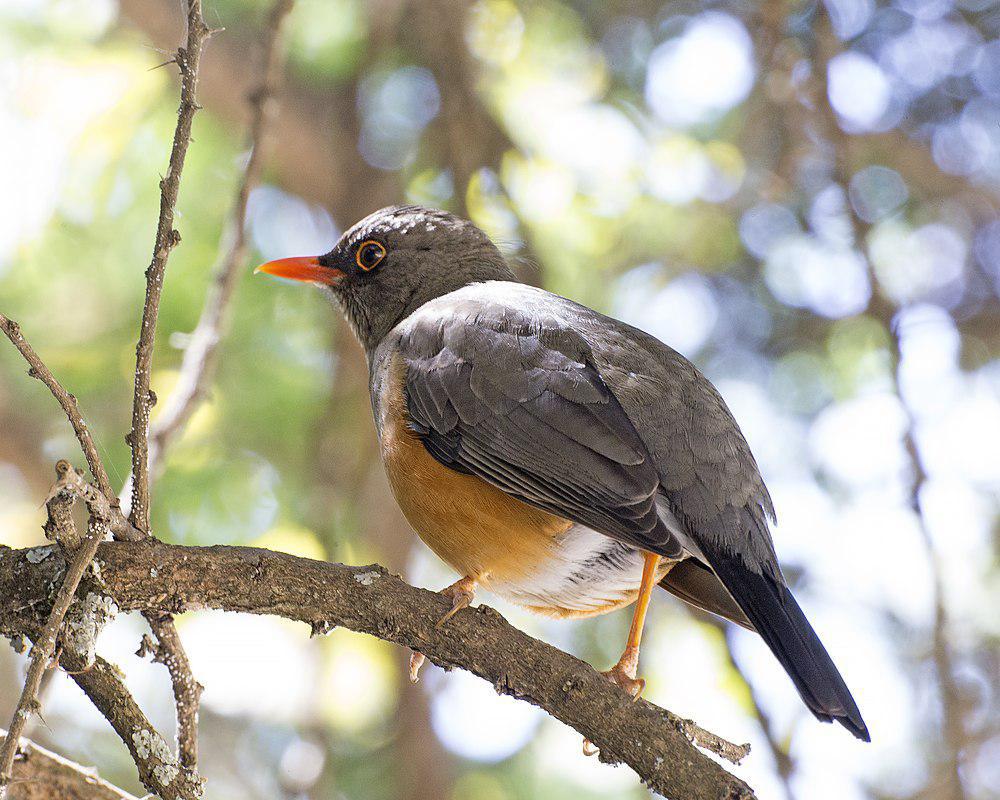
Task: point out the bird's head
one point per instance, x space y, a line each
392 262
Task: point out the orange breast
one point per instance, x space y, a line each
477 529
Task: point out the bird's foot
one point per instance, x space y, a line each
462 592
622 674
416 662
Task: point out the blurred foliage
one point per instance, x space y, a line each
782 191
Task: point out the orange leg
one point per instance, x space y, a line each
462 592
624 672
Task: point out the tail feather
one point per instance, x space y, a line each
776 616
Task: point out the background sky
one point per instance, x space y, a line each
801 197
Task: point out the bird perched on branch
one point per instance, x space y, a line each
563 459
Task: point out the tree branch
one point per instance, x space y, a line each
152 575
159 770
200 356
167 649
45 642
42 775
188 59
187 690
37 369
201 351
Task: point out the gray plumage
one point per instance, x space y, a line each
581 415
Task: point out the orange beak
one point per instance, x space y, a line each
302 268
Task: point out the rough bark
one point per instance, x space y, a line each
42 775
151 575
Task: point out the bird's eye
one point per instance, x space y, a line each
369 255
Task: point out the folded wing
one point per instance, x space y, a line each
523 408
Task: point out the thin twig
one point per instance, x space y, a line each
159 771
120 526
197 371
201 352
167 649
45 643
154 575
187 690
188 60
37 369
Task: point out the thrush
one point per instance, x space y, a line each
561 458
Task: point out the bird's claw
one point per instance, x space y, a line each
416 662
634 686
461 597
623 673
462 593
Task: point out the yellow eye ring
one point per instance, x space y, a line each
369 255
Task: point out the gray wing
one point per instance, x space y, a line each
708 475
521 405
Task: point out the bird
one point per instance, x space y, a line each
563 459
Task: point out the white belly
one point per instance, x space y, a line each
588 573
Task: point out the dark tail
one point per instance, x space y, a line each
780 622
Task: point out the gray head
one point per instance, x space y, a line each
395 260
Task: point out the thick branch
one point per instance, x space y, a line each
43 775
188 59
152 575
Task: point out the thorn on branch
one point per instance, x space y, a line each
166 63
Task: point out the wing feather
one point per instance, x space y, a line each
526 410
